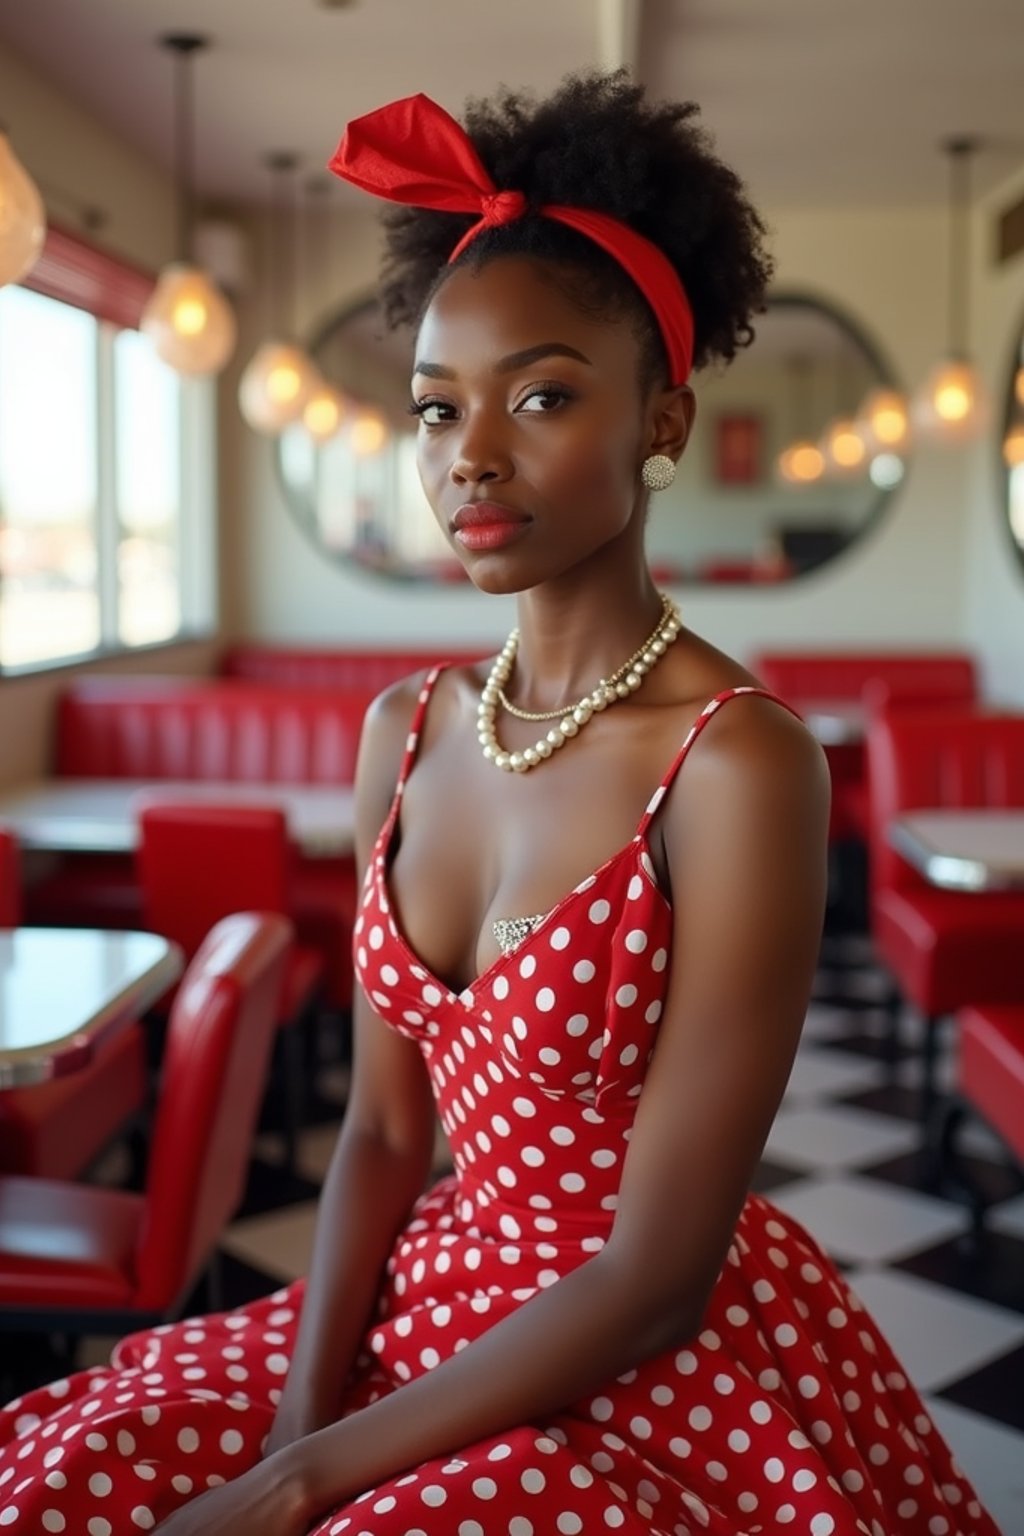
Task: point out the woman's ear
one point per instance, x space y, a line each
671 420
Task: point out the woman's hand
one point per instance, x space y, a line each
268 1500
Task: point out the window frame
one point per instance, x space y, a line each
114 291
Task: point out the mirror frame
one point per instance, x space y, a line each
796 297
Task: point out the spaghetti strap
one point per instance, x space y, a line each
710 708
416 726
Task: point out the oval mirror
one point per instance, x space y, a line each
765 491
1013 448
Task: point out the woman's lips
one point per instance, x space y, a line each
487 525
489 535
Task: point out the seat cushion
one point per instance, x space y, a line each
54 1130
67 1245
990 1068
950 948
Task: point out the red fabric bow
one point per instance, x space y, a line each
412 151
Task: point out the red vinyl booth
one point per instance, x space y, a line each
366 672
77 1258
231 731
945 949
871 678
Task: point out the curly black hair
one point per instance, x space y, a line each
599 143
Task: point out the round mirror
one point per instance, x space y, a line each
781 474
1013 448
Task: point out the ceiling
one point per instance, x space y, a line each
815 103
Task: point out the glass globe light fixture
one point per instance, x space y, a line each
802 463
843 449
22 217
884 420
324 412
275 385
189 321
953 405
368 433
1013 446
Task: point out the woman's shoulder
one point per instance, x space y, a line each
757 739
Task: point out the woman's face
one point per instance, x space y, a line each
532 425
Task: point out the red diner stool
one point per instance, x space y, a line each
944 949
200 862
57 1129
85 1259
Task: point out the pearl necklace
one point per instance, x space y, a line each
572 716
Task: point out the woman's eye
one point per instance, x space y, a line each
431 412
543 401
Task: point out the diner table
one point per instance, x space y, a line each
836 723
101 815
963 850
62 990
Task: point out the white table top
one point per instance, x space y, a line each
964 850
61 989
100 815
836 723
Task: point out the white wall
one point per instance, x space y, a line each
903 584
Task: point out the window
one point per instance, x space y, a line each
106 470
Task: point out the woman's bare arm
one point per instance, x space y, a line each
746 844
382 1158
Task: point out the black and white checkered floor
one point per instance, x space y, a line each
842 1159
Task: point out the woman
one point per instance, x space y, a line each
591 1326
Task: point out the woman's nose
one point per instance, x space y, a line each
480 456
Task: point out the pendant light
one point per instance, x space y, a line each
22 216
188 319
1013 441
802 461
884 421
843 445
326 410
279 377
951 407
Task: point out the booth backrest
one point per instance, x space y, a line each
822 676
227 730
947 756
360 671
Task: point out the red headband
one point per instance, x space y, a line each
412 151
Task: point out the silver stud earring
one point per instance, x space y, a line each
658 471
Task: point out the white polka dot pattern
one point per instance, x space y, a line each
787 1411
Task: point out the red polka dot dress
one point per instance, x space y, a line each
787 1412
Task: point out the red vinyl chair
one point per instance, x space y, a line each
85 1259
200 862
57 1129
10 880
945 949
990 1083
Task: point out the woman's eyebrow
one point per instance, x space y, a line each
510 363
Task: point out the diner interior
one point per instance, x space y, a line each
215 552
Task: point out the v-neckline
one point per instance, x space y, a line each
381 863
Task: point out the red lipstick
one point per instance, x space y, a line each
487 525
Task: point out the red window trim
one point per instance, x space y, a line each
77 272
